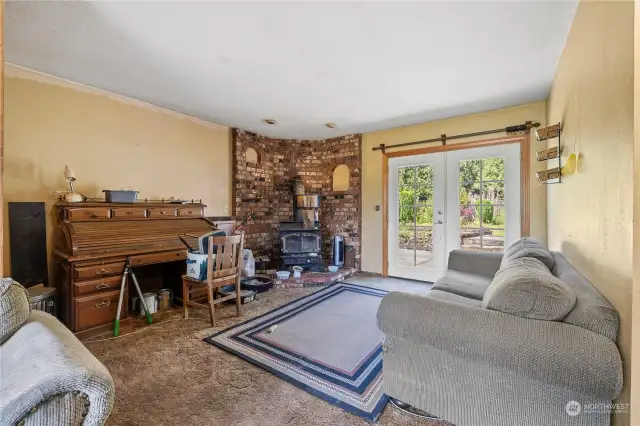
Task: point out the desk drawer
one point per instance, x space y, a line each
128 212
83 288
91 311
163 212
148 259
190 212
88 214
84 272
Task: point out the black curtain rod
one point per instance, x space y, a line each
444 138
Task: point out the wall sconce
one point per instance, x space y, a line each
544 133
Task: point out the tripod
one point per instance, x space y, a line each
129 270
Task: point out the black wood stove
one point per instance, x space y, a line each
300 246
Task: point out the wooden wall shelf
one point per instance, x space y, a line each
554 174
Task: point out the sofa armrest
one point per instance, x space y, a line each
475 262
547 351
44 362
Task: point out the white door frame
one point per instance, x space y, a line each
437 160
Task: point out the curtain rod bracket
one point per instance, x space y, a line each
443 138
382 148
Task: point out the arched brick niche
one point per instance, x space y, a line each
340 180
251 156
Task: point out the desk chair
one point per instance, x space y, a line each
224 266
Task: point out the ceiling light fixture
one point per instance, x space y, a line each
269 121
330 125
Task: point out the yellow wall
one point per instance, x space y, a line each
589 215
110 142
372 168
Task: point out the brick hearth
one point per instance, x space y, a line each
314 279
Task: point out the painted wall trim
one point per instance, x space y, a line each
16 71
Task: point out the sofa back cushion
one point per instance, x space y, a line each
592 311
525 287
528 247
14 307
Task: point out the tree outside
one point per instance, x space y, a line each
482 211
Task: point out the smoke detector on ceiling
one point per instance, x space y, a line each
269 121
330 125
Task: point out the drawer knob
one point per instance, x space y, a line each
101 286
163 212
103 271
129 213
103 304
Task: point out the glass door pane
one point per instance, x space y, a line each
482 206
415 217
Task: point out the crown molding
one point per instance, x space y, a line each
16 71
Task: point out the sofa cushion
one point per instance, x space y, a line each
528 247
454 298
14 307
592 311
462 283
525 287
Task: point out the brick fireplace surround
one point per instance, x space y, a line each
265 188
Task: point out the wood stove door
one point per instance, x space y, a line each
300 242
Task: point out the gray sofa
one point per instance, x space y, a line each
504 340
47 376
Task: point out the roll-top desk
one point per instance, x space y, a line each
92 242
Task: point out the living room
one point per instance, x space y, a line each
440 196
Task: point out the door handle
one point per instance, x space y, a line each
439 222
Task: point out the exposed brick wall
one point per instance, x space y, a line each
265 188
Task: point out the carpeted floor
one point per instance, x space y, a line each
166 375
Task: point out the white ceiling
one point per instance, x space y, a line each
363 65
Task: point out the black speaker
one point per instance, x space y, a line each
28 243
338 250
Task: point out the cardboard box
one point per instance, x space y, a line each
197 266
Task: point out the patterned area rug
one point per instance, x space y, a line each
326 343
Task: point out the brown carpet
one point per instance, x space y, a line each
166 375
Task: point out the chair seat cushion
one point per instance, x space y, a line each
463 284
528 247
525 287
14 307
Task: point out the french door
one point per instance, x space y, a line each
483 197
416 216
468 199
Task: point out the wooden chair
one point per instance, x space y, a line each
223 270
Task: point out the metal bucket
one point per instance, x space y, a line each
151 300
165 299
